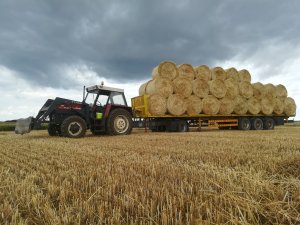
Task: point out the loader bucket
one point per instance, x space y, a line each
23 125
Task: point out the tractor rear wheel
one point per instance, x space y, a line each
73 127
119 122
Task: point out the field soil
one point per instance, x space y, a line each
207 177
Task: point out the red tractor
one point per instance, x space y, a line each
103 110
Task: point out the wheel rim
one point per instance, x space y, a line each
74 129
121 124
246 125
258 125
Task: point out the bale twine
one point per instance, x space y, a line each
226 105
269 89
246 89
160 86
244 75
267 105
281 91
166 69
203 72
232 73
186 71
240 106
217 73
200 88
289 107
254 106
211 105
194 105
176 105
157 105
217 88
232 88
142 89
279 106
183 87
258 90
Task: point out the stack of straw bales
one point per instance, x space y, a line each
185 90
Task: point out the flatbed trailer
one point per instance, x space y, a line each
182 123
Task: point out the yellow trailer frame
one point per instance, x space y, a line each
140 109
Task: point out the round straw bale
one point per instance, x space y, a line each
157 105
160 86
226 105
279 106
232 88
217 88
217 73
194 105
186 71
200 88
267 105
176 105
142 89
183 87
254 106
244 75
289 107
281 91
240 106
165 69
203 72
246 89
258 90
232 73
269 89
211 105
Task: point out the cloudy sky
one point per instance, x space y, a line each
53 48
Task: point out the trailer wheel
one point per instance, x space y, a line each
182 126
244 123
257 124
269 124
119 122
73 127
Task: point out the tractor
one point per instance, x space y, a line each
103 110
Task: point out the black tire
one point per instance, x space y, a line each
119 122
52 130
244 123
269 124
224 128
73 127
257 124
183 126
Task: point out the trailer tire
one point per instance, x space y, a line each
257 124
73 127
269 124
244 123
183 126
119 122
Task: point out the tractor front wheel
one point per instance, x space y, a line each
119 122
53 130
73 127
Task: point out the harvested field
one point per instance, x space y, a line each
208 177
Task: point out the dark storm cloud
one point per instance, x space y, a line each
124 40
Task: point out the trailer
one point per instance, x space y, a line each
182 123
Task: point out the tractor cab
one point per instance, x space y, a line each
104 100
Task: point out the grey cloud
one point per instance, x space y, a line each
123 40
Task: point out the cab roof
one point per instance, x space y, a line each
96 88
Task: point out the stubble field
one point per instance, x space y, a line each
209 177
